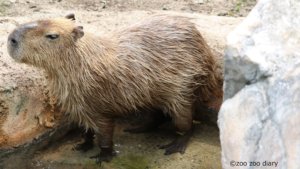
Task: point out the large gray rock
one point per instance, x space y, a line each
259 119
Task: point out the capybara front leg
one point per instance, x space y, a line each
105 141
184 126
88 142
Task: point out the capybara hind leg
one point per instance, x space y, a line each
184 125
105 141
154 120
88 142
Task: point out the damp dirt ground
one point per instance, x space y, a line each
137 151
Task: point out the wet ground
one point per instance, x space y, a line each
137 151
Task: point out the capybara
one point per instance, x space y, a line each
161 63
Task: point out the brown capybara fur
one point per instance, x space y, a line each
162 62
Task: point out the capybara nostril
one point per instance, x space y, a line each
13 42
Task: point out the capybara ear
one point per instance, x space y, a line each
70 16
78 32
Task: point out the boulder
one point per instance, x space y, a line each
260 116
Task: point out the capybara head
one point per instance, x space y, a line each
34 42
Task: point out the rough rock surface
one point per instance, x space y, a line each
259 120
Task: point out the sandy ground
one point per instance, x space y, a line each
136 151
211 7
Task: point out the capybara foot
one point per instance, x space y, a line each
178 145
85 146
105 155
88 142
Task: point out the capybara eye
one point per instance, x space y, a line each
52 36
